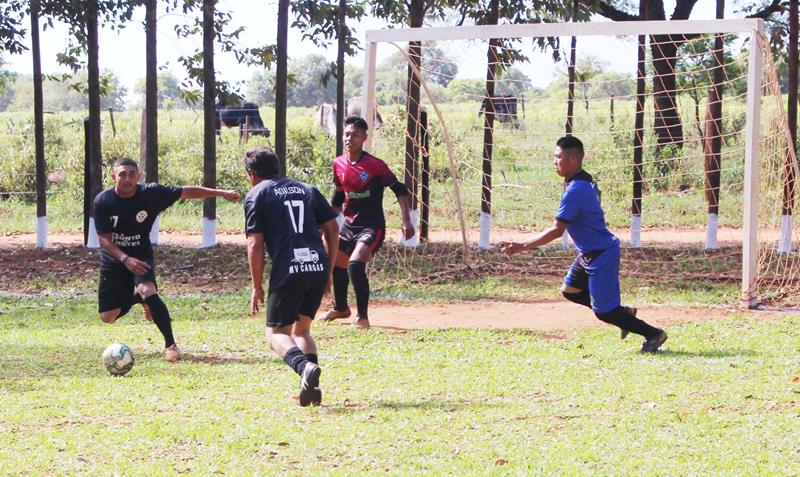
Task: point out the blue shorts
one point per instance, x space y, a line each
599 272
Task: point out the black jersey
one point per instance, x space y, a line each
288 213
129 220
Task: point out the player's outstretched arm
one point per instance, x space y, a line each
255 260
544 237
198 192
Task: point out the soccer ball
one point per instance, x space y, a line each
118 359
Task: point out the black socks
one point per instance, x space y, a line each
312 358
161 318
295 359
358 275
581 297
622 318
340 282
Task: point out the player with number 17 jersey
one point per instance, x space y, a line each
288 213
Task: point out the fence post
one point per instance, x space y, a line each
426 179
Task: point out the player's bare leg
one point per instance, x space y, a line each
160 316
340 268
357 267
282 343
110 316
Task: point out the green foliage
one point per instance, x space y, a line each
169 91
68 93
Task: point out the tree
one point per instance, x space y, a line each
513 81
68 94
281 74
321 22
664 48
151 92
168 91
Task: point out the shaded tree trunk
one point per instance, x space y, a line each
788 192
571 73
416 17
38 117
489 113
209 94
95 152
340 112
667 122
281 75
151 92
712 143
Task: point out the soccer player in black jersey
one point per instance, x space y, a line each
123 216
286 216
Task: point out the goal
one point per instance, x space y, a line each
682 121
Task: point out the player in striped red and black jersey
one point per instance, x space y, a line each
359 179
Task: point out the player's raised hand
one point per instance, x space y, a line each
255 298
230 195
511 248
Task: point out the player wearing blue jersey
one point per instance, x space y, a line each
593 278
285 217
123 216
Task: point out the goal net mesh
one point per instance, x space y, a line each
672 179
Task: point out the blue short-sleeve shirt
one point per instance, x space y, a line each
580 210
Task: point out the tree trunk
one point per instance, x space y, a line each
571 73
38 116
95 152
340 112
416 17
713 131
788 191
151 92
209 94
281 74
667 122
488 117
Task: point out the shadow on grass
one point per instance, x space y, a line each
713 353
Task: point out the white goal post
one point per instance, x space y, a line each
752 27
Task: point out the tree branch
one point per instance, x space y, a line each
683 8
767 11
608 11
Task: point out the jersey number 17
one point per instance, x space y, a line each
297 224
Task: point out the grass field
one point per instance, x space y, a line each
720 400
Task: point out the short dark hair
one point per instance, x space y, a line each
125 161
357 121
262 162
570 142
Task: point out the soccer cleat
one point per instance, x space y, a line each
335 314
624 333
172 353
309 384
316 399
361 323
654 342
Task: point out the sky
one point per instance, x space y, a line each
123 51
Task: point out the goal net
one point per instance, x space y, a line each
682 122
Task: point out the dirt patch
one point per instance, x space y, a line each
549 317
186 268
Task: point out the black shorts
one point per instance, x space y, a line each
297 297
117 284
350 235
